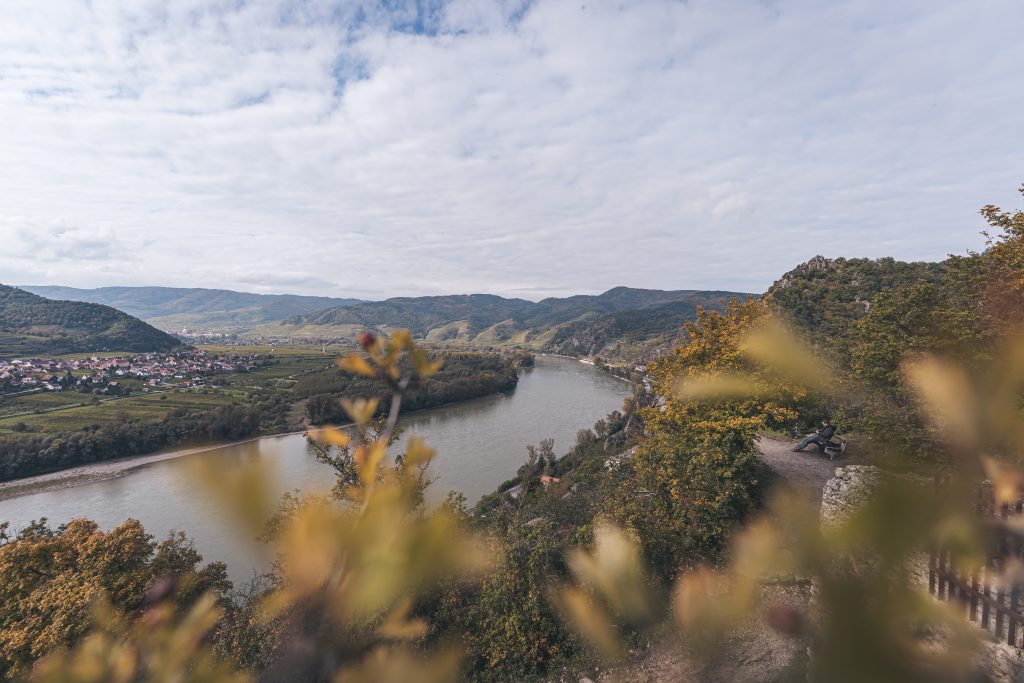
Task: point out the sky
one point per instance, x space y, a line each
528 149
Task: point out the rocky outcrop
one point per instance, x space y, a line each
846 491
818 263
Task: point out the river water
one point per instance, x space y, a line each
480 443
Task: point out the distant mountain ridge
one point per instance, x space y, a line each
623 322
619 319
196 308
31 325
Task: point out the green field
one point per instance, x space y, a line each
140 407
286 363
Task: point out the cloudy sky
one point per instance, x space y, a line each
522 148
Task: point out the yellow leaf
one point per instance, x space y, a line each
1007 482
332 436
417 453
368 459
356 364
424 367
616 570
693 598
772 345
402 340
397 625
948 398
361 410
715 387
590 622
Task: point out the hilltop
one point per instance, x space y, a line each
195 308
31 324
825 297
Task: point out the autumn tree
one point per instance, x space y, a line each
51 580
695 473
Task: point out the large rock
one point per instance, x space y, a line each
845 492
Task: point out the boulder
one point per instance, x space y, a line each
847 491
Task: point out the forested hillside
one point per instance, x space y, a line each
639 335
827 296
201 309
30 324
622 322
871 317
420 314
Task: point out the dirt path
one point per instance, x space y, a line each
805 471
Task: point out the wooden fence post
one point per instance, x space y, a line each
987 593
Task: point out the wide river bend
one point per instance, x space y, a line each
480 443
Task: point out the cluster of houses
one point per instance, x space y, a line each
237 338
107 375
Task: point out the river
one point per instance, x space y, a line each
480 443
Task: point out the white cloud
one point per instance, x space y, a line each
477 145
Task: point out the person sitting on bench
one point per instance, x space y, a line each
822 437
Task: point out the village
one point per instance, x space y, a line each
119 375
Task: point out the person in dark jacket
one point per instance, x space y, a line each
822 437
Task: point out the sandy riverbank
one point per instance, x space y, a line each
108 469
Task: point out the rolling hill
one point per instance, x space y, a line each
203 310
622 322
31 325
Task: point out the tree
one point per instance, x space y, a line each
51 580
695 473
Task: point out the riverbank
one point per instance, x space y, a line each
108 469
147 426
603 368
112 469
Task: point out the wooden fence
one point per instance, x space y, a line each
995 607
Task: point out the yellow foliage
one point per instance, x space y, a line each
872 610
